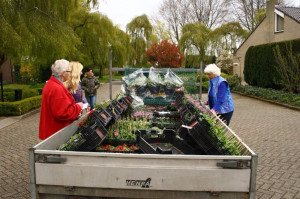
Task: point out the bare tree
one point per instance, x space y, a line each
244 11
209 12
175 14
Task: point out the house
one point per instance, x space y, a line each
279 24
7 71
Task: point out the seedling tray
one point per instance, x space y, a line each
199 131
167 143
94 135
102 115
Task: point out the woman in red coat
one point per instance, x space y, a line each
59 108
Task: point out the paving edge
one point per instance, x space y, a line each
269 101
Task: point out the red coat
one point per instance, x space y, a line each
58 109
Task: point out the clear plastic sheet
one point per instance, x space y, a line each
137 78
154 77
171 79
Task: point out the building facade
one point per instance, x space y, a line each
280 24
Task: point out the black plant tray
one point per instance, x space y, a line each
169 91
129 99
167 143
178 100
102 115
113 112
117 106
164 126
123 103
200 133
94 135
141 90
154 89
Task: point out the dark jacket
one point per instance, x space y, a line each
90 84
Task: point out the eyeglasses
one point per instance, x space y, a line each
68 71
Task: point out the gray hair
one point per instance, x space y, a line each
212 68
59 67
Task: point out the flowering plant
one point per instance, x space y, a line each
123 147
124 129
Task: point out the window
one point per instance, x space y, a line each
279 21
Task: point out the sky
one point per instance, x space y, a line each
121 12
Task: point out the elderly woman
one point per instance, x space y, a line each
59 108
219 96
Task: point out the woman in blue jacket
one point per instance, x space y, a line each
219 96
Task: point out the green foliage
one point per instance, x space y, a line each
233 81
27 91
125 129
228 146
140 31
270 94
261 65
226 36
288 69
20 107
195 36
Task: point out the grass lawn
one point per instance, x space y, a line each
105 78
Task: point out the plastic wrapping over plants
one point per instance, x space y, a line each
138 101
154 77
137 78
171 79
155 81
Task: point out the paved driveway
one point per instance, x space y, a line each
273 132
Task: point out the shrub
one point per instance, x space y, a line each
261 65
164 55
233 81
20 107
270 94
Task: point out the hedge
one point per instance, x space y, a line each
270 94
20 107
9 94
261 66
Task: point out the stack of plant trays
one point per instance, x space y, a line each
122 101
199 131
102 115
94 135
113 112
117 106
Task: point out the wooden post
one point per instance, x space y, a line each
1 80
200 89
110 71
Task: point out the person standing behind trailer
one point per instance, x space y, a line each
73 84
219 96
58 108
90 84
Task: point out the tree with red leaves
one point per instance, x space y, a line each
164 55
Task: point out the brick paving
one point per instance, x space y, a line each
270 130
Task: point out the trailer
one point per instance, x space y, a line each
56 174
74 174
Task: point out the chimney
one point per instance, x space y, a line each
270 5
